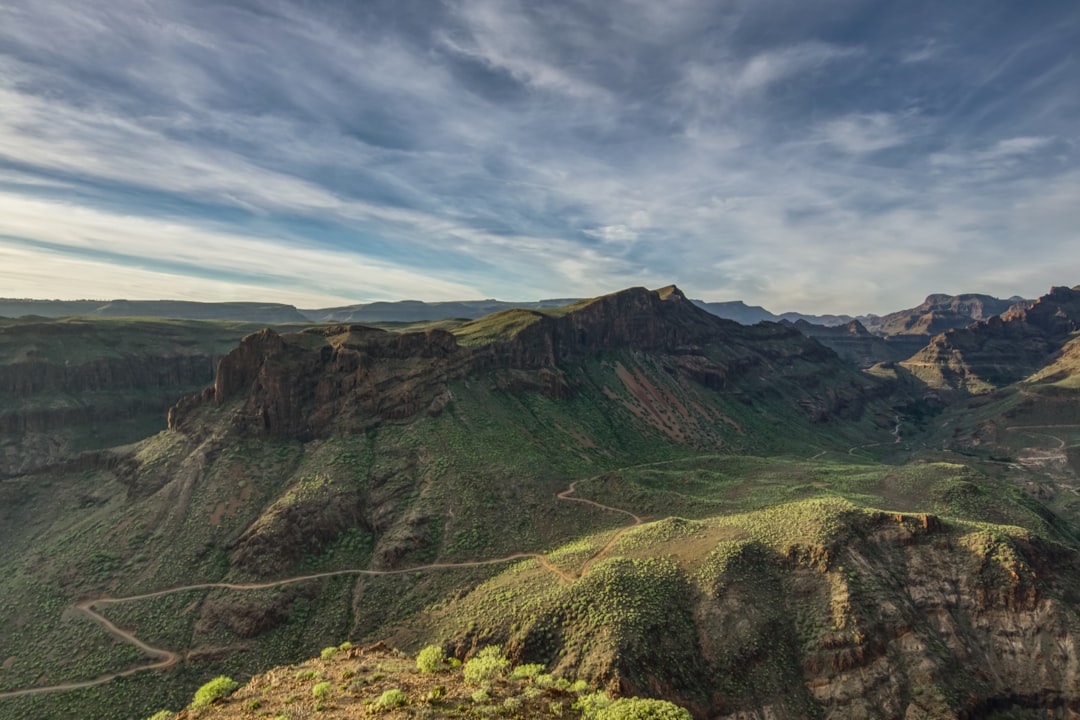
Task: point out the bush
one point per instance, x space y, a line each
591 705
431 659
321 690
390 699
523 672
328 653
213 691
488 664
642 709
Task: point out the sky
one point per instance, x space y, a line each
836 156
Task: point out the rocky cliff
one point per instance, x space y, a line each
348 378
939 313
1001 350
67 386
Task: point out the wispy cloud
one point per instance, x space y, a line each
767 151
865 133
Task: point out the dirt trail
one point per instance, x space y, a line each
895 434
164 658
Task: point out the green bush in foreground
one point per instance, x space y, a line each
488 664
214 690
321 690
390 699
642 709
431 659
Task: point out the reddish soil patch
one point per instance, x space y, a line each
654 406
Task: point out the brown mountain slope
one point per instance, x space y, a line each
1000 350
939 313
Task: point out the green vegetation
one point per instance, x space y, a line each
390 699
642 709
486 665
431 659
213 691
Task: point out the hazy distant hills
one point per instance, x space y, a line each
176 309
419 311
863 341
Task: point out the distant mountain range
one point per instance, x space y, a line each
936 314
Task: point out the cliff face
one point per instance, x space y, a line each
78 384
51 412
349 378
1000 350
939 313
853 343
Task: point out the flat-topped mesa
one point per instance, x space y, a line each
351 377
301 385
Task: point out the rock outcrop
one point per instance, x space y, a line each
1000 350
348 378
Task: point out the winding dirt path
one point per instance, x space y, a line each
164 658
895 434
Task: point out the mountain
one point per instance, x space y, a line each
628 490
410 311
938 313
852 342
1002 349
72 385
272 313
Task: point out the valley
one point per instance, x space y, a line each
627 490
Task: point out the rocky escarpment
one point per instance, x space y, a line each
854 343
940 313
50 411
75 384
1001 350
349 378
893 616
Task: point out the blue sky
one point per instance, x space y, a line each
832 156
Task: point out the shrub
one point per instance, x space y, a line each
345 646
488 664
437 693
328 652
642 709
512 704
214 690
555 707
523 672
390 699
591 705
480 696
431 659
321 690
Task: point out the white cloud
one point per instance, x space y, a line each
775 65
865 132
1001 154
268 266
502 39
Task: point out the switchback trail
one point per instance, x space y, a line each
895 434
164 658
